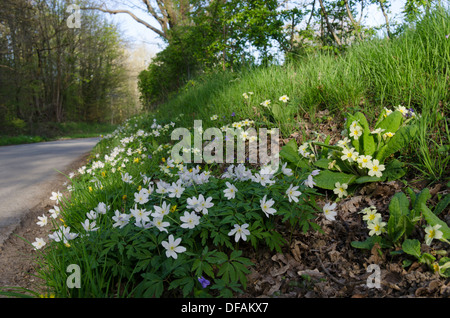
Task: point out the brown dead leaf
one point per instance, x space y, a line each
279 271
359 296
312 273
295 250
274 288
375 257
352 204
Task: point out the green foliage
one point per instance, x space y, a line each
219 37
405 216
361 158
131 259
413 247
59 74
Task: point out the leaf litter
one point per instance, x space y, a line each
325 265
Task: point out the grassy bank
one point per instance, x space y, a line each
411 70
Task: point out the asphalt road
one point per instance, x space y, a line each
26 172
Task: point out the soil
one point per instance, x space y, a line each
17 255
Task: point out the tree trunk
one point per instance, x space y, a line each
356 25
329 26
383 10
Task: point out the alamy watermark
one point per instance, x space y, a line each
374 279
230 145
74 19
74 279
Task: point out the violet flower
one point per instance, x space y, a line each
204 282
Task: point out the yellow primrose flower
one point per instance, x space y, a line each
265 103
376 226
354 125
402 110
388 135
356 132
388 112
435 267
284 99
371 215
432 232
341 189
375 168
349 154
364 160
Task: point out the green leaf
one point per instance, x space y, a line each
394 170
367 140
367 244
398 223
427 258
322 163
432 220
399 204
444 267
401 139
442 204
412 196
327 179
186 282
365 179
421 198
290 153
152 286
412 247
391 122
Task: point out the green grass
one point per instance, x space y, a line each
56 131
412 70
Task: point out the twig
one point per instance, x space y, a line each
327 272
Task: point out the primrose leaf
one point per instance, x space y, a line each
327 179
432 220
412 247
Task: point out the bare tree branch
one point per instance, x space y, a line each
383 9
131 14
329 26
355 24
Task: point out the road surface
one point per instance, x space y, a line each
26 172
